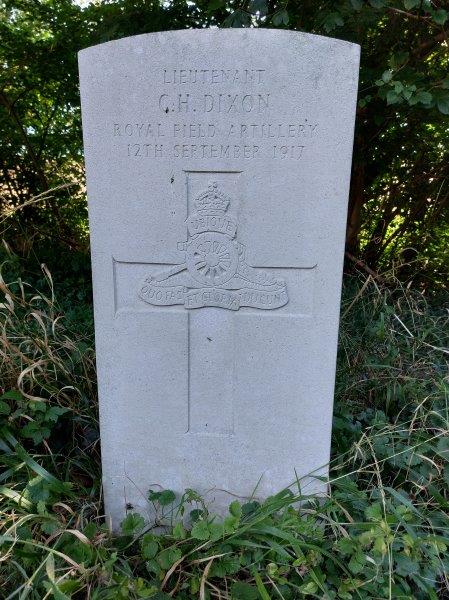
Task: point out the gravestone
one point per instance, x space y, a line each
218 166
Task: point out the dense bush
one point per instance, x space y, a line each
399 192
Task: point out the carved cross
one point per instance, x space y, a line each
216 288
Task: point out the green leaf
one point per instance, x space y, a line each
200 531
357 4
280 17
409 4
69 585
132 524
168 557
392 97
57 594
5 409
38 490
196 514
440 16
164 497
423 97
308 588
332 21
244 591
403 499
54 412
260 6
235 508
149 546
167 497
357 563
374 512
443 443
12 395
405 566
380 545
398 58
179 533
35 431
230 524
387 76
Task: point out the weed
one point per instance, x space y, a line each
381 532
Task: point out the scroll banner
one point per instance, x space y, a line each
162 295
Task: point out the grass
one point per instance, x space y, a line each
382 531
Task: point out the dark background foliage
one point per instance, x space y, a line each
398 210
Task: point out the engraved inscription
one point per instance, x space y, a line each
216 113
214 272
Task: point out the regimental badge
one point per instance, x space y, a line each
214 272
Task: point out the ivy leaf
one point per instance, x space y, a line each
387 76
132 523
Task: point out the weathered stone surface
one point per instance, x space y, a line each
218 167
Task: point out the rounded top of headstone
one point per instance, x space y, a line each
248 34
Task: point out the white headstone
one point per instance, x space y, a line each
218 166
